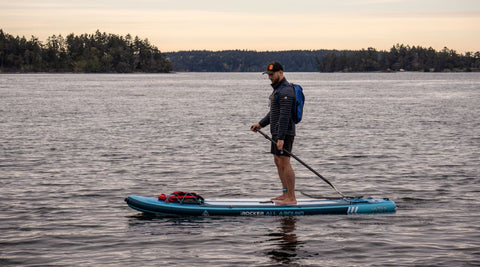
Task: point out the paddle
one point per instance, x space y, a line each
303 163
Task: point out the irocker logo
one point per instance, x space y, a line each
272 213
252 213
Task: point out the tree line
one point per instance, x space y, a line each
102 52
244 60
98 52
400 57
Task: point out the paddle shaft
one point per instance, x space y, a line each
303 163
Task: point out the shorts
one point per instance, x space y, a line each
287 145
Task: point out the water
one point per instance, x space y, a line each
73 146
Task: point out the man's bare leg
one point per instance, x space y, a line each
287 177
276 159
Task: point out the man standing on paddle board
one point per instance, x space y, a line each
282 128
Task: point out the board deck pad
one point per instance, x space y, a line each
261 207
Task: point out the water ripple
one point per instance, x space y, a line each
75 145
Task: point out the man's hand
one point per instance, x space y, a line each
255 127
280 144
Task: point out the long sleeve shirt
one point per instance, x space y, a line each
280 115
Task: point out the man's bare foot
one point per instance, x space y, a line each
282 197
287 201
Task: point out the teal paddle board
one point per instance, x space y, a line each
261 207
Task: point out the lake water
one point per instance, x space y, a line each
73 146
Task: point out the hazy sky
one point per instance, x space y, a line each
174 25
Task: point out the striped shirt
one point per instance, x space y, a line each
280 115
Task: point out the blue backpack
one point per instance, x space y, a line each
299 102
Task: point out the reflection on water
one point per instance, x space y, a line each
285 241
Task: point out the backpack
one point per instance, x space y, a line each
299 102
182 198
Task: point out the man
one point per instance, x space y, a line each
282 129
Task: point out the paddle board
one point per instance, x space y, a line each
261 207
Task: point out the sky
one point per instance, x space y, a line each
174 25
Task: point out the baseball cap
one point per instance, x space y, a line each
273 67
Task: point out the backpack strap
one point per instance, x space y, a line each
277 95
